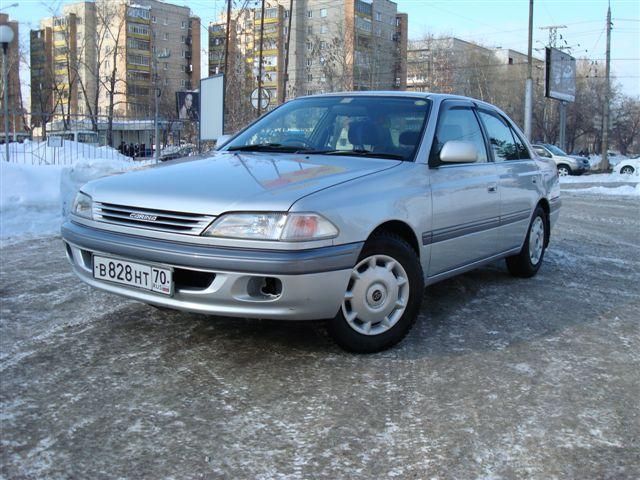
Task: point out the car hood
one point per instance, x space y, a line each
228 181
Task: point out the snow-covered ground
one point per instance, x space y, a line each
601 178
35 194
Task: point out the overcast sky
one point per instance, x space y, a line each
492 23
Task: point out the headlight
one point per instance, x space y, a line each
83 206
292 227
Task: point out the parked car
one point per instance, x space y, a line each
567 164
630 166
299 227
176 151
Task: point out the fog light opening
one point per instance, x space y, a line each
271 287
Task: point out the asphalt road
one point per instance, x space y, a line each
500 378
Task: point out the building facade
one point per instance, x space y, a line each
12 94
335 45
109 57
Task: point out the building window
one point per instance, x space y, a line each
309 46
137 59
378 16
510 61
183 25
138 29
309 92
323 45
286 14
166 36
323 12
165 21
138 44
309 62
184 54
309 30
165 66
154 19
324 29
138 12
310 13
309 78
183 83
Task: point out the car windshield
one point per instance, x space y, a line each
371 126
555 150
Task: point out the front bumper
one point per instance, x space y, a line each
312 282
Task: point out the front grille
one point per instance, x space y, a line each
161 220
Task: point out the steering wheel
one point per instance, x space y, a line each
293 140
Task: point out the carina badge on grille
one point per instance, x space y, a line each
142 216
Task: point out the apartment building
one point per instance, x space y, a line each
453 65
108 57
12 96
335 45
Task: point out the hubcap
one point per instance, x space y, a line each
627 170
563 172
376 296
536 240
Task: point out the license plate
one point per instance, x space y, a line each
133 274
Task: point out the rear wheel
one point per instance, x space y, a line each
383 296
564 170
627 170
527 262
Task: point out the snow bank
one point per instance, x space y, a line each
624 190
595 160
34 198
601 178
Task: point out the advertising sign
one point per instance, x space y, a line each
212 107
560 75
188 105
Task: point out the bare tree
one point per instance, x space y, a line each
626 124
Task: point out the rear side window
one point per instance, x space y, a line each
459 123
505 143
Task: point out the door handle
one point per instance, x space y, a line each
534 180
492 188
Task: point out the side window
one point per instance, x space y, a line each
459 123
523 153
500 137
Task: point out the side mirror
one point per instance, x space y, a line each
455 151
222 139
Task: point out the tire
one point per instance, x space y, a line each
383 296
627 170
527 263
564 170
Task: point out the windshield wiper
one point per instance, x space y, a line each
266 147
356 152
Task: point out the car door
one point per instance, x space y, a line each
519 178
465 197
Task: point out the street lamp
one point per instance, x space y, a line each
9 6
6 37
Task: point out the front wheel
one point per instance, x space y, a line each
564 170
527 262
383 296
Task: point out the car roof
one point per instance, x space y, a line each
404 94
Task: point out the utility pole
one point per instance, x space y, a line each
604 164
260 59
228 38
286 56
528 98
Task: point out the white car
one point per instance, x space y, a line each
630 166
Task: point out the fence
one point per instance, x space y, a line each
63 140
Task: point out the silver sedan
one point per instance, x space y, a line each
339 207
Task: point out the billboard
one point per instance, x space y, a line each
188 106
212 107
560 75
